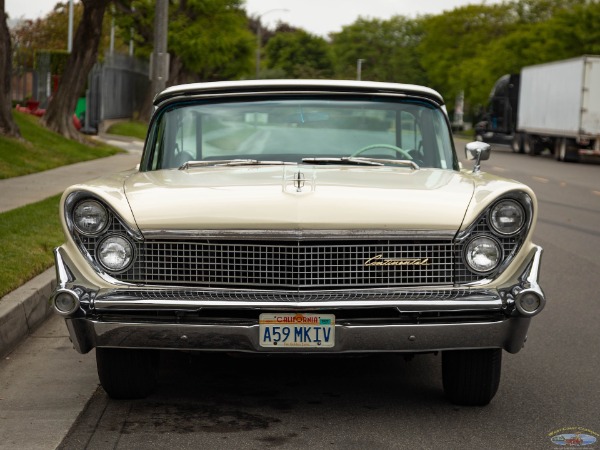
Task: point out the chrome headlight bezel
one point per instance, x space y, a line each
88 244
510 244
129 250
101 210
469 260
494 220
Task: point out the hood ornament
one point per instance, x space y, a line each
298 180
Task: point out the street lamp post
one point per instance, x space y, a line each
70 33
259 36
359 68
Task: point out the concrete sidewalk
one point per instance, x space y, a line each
20 191
24 309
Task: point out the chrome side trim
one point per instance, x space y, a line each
298 234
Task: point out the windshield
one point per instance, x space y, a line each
297 130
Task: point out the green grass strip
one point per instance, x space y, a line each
27 237
129 128
41 149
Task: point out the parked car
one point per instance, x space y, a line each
321 217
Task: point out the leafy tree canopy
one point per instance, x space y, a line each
388 48
299 54
208 39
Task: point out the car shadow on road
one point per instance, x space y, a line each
217 394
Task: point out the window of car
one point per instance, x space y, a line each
291 128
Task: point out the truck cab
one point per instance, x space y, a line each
499 121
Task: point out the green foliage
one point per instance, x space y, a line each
299 55
27 237
388 48
455 42
463 50
29 37
42 149
208 40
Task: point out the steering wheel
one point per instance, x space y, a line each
398 150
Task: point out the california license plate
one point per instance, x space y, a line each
297 330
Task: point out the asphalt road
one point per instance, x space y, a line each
216 401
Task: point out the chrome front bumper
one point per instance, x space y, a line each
173 318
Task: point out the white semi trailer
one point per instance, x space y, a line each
559 109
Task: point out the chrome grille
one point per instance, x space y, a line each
289 265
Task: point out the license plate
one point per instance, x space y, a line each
297 330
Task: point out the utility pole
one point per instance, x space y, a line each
159 61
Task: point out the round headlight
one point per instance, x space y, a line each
507 217
90 217
115 253
483 254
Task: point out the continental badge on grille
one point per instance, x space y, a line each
379 260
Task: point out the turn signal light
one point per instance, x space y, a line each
66 302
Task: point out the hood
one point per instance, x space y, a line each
303 197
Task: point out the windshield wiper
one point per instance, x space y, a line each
232 162
360 161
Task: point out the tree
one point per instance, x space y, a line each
8 127
208 40
58 116
388 47
299 54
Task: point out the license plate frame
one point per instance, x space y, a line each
296 330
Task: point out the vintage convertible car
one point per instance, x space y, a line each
325 217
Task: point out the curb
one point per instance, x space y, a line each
24 309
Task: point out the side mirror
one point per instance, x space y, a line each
478 151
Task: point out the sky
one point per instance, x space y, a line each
319 17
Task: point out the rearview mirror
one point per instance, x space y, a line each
478 151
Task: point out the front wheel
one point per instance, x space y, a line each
471 377
127 373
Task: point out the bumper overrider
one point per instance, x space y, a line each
374 320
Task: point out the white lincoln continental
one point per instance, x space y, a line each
322 217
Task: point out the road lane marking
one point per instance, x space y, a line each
596 193
541 180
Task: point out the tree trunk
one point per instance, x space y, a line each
59 115
8 127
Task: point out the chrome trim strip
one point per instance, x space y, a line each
62 272
298 234
475 304
508 334
448 299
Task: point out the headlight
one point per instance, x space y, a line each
507 217
115 253
483 254
90 217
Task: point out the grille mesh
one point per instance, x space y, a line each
289 265
297 264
